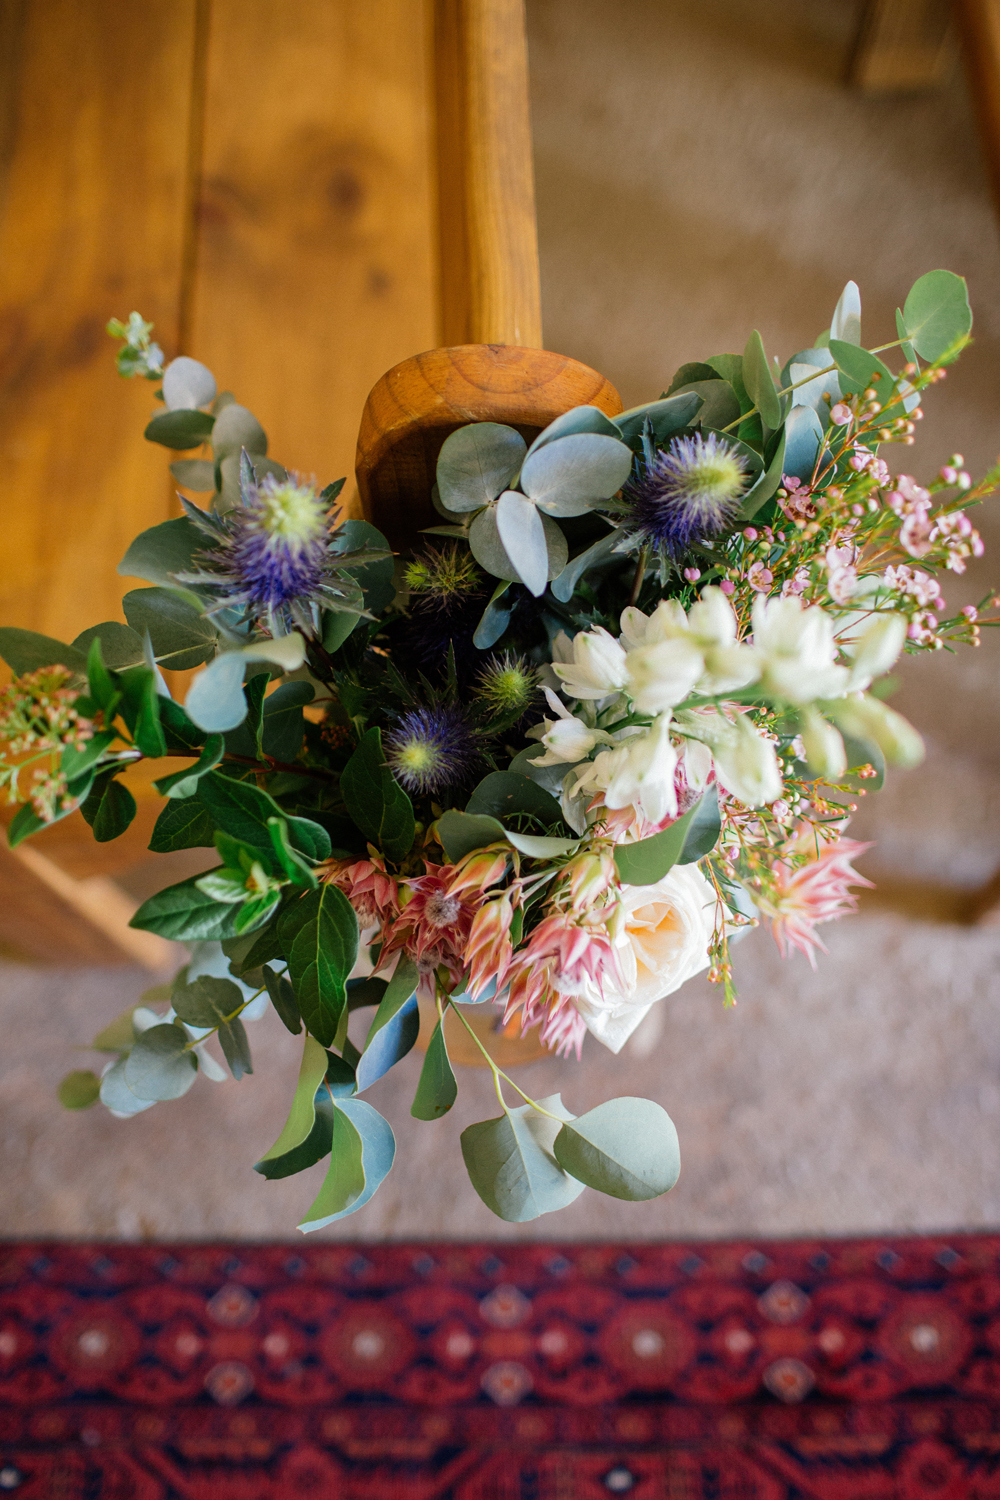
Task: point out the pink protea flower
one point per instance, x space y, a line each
480 869
372 892
489 951
434 925
816 892
563 955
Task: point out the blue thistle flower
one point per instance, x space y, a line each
274 556
688 492
431 749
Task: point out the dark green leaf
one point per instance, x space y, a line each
375 578
294 866
185 428
161 1064
496 617
376 801
511 1163
102 687
185 914
302 1115
207 1001
668 415
79 1089
626 1148
437 1089
859 369
181 732
319 936
181 635
378 1148
461 832
283 724
265 949
240 809
283 999
648 860
308 1152
245 739
508 794
141 710
109 809
120 646
182 825
184 784
26 651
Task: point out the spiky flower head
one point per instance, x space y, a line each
274 556
506 685
431 749
443 577
688 493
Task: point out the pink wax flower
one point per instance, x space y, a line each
816 892
760 578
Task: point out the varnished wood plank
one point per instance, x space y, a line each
314 269
96 124
488 244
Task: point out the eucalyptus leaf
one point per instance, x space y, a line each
27 651
184 428
236 428
814 378
207 1001
121 647
647 860
161 551
215 699
496 617
462 832
476 463
181 635
235 1046
569 475
161 1064
626 1147
522 534
859 369
803 436
937 315
577 419
669 414
79 1089
507 794
703 830
594 556
339 1195
511 1163
196 474
436 1089
375 578
116 1094
717 403
846 322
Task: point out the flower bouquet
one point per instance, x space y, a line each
612 713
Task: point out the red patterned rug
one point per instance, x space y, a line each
841 1370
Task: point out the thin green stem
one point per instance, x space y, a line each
499 1073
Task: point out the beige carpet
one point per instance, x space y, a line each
701 170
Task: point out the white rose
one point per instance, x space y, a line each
664 942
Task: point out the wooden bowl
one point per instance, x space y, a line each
418 403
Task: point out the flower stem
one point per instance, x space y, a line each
498 1073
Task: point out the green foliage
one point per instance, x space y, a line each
375 578
759 381
283 999
184 913
476 463
109 808
283 724
508 795
648 860
319 936
461 832
120 646
161 551
436 1088
511 1163
301 1120
161 1064
937 316
118 1035
185 428
26 651
703 830
140 708
375 801
360 1159
666 416
215 1004
181 635
185 824
395 1026
625 1147
79 1089
181 785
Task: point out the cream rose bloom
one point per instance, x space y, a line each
664 942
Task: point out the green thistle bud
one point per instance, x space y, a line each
506 686
443 577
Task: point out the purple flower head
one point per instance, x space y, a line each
431 749
689 492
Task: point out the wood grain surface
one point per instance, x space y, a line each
97 103
314 254
415 406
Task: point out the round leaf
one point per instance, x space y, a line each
578 419
511 1164
523 536
476 463
627 1148
160 1065
80 1089
236 428
187 383
571 474
937 313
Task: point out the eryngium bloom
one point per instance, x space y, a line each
275 557
688 493
431 749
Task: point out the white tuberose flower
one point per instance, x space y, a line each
663 941
796 651
598 666
745 762
566 738
670 653
638 773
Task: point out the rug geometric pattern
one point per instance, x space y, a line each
834 1370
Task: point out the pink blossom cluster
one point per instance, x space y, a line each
801 896
954 532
